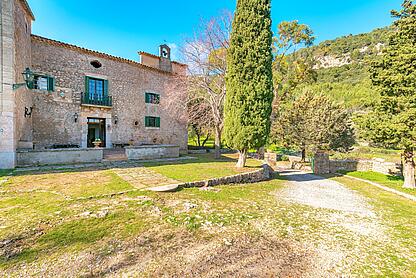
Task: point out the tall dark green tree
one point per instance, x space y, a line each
249 82
393 120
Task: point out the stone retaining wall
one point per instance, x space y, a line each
265 173
146 152
324 165
58 156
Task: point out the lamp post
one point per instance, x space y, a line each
28 76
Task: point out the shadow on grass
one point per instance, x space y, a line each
199 159
77 234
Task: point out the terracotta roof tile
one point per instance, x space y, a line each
27 8
96 53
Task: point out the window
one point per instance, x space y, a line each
96 64
96 88
152 121
43 82
152 98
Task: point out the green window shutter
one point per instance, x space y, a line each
147 98
157 121
51 84
87 85
105 88
87 88
158 99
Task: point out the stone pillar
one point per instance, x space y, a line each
7 78
108 132
321 163
270 158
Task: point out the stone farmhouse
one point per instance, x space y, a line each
58 96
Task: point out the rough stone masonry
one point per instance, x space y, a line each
80 95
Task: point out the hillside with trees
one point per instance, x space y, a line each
342 67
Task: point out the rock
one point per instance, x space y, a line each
228 242
102 213
85 214
189 206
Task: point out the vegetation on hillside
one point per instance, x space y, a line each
349 83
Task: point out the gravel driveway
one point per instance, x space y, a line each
345 214
319 192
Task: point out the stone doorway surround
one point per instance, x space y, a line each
96 112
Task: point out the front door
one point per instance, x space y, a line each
96 130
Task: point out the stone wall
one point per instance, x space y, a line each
7 104
323 165
128 82
15 128
62 156
152 152
265 173
23 96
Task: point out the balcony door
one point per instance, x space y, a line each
96 89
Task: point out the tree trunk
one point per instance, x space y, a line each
303 155
409 170
242 157
217 142
206 139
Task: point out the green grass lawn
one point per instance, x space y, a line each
204 167
228 228
394 182
397 213
361 152
192 141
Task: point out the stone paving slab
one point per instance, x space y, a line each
164 188
142 177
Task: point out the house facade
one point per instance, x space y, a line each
80 98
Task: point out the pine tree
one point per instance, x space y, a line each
393 121
249 83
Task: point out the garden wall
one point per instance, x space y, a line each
265 173
146 152
58 156
323 165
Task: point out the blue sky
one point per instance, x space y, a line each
124 27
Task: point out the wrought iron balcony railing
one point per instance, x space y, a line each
96 99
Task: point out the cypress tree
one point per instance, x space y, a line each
249 83
393 121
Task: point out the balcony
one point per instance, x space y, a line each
96 100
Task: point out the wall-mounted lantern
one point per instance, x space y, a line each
28 76
115 119
76 117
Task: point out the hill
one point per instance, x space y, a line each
342 66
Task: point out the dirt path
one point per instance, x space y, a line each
345 214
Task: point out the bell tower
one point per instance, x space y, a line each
165 62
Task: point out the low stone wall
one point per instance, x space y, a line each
147 152
324 165
58 156
375 165
265 173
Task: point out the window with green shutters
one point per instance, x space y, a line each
96 92
96 88
152 121
43 82
152 98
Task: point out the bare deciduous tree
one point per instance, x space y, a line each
205 54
